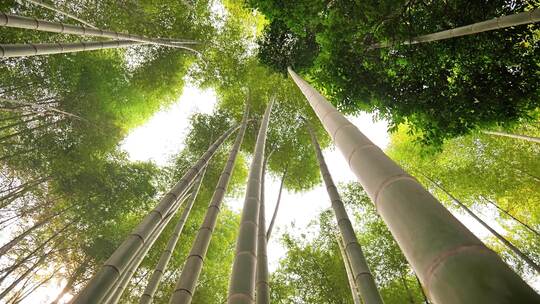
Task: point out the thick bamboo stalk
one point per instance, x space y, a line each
31 49
102 281
501 238
161 266
262 287
242 282
185 287
348 270
54 9
57 27
531 16
452 264
274 216
517 136
511 216
362 275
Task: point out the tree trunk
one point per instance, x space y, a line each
272 222
348 270
155 279
531 16
54 9
35 49
185 287
518 136
511 216
503 240
57 27
439 248
104 279
362 275
242 282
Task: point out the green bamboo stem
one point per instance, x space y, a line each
155 279
452 264
262 295
517 136
348 270
511 216
278 201
528 17
503 240
242 282
185 287
57 27
102 281
362 275
54 9
31 49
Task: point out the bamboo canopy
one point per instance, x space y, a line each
34 49
453 265
185 287
528 17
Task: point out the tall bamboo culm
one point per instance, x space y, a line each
31 49
362 275
57 27
517 136
262 287
348 271
452 264
242 282
185 287
161 266
528 17
54 9
103 280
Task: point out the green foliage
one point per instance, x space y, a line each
441 89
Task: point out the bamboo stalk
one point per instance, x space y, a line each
161 266
242 282
528 17
501 238
262 295
517 136
57 27
187 283
31 49
102 281
278 201
511 216
54 9
452 264
348 270
362 274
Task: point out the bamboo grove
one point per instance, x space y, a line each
82 222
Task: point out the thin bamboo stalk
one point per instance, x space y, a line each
452 264
185 287
161 266
348 270
242 282
501 238
31 49
517 136
262 295
102 282
274 216
511 216
528 17
362 275
54 9
57 27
